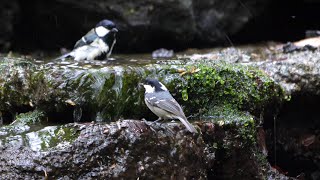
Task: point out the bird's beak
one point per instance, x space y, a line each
140 85
115 30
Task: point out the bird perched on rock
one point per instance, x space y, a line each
160 102
97 44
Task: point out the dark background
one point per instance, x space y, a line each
144 26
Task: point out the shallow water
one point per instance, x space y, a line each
254 52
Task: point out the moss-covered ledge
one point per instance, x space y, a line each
113 93
207 84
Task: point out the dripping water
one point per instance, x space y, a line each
275 140
77 113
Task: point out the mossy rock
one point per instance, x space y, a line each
112 91
227 98
206 85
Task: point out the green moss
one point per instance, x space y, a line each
243 87
22 123
237 141
111 92
29 118
124 96
51 137
234 121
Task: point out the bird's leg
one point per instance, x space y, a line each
159 119
156 121
144 120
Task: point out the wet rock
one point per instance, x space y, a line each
130 148
162 53
137 149
275 174
292 137
291 131
238 131
291 47
296 73
124 149
312 33
75 92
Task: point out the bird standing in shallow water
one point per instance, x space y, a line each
97 44
160 102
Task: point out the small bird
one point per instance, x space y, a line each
160 102
97 44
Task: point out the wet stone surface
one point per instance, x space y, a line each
124 149
73 129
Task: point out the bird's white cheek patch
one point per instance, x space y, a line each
101 31
163 87
149 89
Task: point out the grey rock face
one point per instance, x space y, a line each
125 149
144 25
296 73
9 11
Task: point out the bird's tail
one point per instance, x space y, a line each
62 57
188 125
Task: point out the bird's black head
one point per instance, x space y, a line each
107 24
153 85
105 27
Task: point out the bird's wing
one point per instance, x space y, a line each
86 39
169 105
172 106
